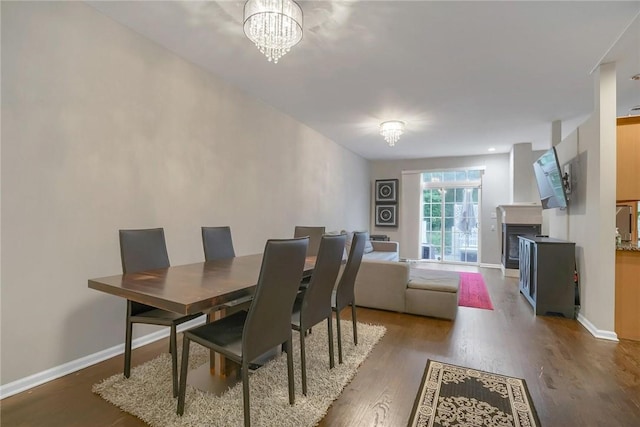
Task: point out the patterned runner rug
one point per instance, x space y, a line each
147 393
456 396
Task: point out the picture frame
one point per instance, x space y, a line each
386 215
386 191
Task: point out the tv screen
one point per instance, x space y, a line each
549 180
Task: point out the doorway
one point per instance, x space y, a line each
450 207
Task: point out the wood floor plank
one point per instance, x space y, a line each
574 379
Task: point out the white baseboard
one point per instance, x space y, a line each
425 261
485 265
39 378
598 333
510 272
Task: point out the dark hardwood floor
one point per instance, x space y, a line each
573 378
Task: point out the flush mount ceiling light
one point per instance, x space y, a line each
274 26
391 131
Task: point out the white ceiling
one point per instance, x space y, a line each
465 76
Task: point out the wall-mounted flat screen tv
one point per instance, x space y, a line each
549 180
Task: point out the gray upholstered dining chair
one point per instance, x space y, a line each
314 233
142 250
344 294
217 243
314 305
245 336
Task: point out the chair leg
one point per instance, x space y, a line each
292 394
353 319
303 363
332 362
339 336
173 348
245 392
183 375
127 349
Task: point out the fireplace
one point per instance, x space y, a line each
510 243
517 220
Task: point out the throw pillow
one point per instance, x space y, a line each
368 247
349 239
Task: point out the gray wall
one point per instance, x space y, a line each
523 183
101 130
495 191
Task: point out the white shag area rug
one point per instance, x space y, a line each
147 393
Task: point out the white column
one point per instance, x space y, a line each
410 215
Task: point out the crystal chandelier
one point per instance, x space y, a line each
391 131
275 26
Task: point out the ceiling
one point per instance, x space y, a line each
465 76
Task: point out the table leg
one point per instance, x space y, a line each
216 360
218 364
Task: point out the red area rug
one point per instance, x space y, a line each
473 292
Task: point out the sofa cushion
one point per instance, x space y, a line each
368 247
440 285
435 280
381 256
349 237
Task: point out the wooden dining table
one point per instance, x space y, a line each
192 288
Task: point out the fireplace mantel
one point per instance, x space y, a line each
520 213
517 219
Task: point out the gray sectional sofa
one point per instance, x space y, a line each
374 250
385 283
395 286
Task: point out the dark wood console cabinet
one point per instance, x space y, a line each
546 274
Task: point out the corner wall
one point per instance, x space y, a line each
494 192
103 129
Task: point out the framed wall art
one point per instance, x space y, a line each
386 216
387 191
